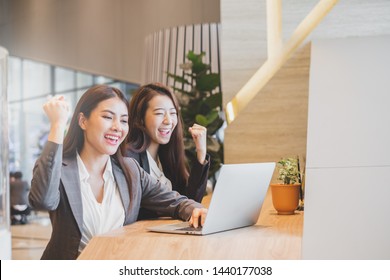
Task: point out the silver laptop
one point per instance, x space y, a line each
236 201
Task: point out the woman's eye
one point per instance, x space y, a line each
124 121
107 117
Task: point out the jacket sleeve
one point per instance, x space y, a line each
44 193
157 196
197 180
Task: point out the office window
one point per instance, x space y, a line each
64 79
103 80
84 80
14 77
36 79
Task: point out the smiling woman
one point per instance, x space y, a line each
85 183
156 142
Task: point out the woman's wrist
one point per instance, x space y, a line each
56 134
201 157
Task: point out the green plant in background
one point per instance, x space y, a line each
200 102
289 172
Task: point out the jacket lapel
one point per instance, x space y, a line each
71 182
143 159
122 186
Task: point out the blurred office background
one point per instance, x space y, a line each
63 47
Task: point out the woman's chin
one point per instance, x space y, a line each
164 141
111 151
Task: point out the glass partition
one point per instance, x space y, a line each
5 233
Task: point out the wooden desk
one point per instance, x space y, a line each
273 237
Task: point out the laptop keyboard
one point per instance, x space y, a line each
190 229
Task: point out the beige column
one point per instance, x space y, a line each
274 27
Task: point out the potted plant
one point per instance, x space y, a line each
286 194
200 98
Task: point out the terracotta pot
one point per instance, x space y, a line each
285 198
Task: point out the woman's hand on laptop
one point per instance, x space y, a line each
198 217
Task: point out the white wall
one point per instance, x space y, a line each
348 156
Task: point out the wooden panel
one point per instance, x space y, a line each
274 124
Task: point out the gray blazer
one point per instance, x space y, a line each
56 187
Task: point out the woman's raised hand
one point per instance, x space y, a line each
58 111
199 135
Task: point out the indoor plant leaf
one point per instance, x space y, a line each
201 119
179 79
214 100
199 104
208 82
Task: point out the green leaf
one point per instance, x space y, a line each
198 66
214 100
212 116
288 170
179 79
195 58
202 120
206 120
208 82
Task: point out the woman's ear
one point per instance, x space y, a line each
82 121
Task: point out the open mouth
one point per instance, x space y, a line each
164 131
112 139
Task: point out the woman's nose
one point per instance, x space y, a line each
116 125
167 118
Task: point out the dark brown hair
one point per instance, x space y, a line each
74 139
171 155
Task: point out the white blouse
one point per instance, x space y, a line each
156 171
98 217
